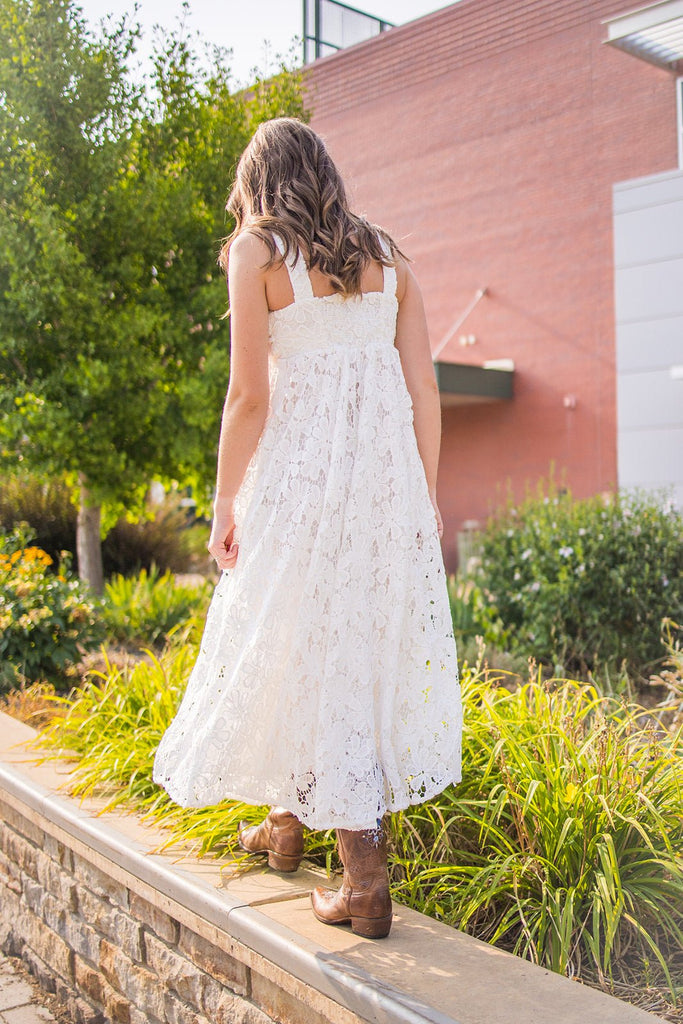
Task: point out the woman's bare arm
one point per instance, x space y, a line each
412 342
246 403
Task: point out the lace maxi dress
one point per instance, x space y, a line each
326 680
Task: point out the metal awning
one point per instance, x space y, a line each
465 384
653 33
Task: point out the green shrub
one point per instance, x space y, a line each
47 619
582 584
147 607
468 610
163 539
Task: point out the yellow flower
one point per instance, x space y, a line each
37 615
34 554
571 791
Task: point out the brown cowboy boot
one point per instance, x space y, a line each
363 900
280 835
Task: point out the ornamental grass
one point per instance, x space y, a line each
564 841
562 844
149 606
111 728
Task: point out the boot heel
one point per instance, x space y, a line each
282 862
371 927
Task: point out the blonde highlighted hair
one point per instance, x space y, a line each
287 184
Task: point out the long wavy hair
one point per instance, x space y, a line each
287 184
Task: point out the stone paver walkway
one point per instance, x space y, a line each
22 1001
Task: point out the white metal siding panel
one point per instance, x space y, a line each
657 347
648 255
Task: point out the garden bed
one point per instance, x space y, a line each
118 927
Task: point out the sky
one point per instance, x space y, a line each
256 30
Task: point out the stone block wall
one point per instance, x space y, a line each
110 954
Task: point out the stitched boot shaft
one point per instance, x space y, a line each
280 835
363 901
365 862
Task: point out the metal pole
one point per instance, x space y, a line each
479 295
317 29
305 32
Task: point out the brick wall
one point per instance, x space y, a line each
110 953
486 138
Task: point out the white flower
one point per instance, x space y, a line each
582 531
566 552
517 576
535 586
581 568
526 554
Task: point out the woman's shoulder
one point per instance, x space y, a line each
249 253
250 245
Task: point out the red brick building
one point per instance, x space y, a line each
487 138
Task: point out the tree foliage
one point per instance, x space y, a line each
113 359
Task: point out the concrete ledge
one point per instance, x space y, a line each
283 965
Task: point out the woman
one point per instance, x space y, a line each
326 682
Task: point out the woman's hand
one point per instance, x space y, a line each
437 514
221 544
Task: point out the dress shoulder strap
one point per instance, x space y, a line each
298 274
390 279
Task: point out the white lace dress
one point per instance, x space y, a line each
326 680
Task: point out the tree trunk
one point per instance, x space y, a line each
88 545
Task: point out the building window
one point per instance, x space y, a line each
679 119
330 25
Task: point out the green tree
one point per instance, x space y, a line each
113 359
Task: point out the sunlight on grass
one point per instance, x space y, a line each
564 840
